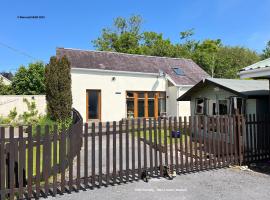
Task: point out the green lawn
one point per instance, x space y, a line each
41 158
162 134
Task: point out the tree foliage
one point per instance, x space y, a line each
266 51
212 55
58 89
29 80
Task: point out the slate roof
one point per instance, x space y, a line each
105 60
244 88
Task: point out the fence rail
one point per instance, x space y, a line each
94 155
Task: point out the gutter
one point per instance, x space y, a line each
252 73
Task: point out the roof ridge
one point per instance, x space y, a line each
129 54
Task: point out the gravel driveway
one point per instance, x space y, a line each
230 183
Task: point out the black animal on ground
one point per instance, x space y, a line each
145 176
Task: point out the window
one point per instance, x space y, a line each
130 108
222 107
130 105
199 106
178 71
214 109
237 105
145 104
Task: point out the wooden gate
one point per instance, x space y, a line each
102 154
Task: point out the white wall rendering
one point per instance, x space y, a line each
113 86
8 102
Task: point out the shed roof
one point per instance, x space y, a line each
244 88
257 70
261 64
115 61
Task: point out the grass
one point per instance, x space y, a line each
162 134
41 158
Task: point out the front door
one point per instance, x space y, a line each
93 105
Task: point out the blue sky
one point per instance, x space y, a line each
75 23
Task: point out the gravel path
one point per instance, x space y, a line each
230 183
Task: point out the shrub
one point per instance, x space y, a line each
58 89
31 115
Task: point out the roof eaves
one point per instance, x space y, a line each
114 71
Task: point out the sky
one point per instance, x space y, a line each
75 23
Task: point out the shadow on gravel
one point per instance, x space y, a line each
261 167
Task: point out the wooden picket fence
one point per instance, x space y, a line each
102 154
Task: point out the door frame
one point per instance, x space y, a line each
99 103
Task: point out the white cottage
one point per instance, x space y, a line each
110 86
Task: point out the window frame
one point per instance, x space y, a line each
203 104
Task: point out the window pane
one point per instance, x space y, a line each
236 105
239 105
178 71
140 94
162 95
223 109
151 95
130 108
130 94
214 109
151 108
92 104
161 106
141 108
199 106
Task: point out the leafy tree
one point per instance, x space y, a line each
154 44
266 51
215 58
205 55
230 60
58 89
29 80
123 37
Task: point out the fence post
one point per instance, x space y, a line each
121 150
160 147
107 153
86 155
139 145
100 153
30 162
2 163
239 132
38 176
127 150
242 142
